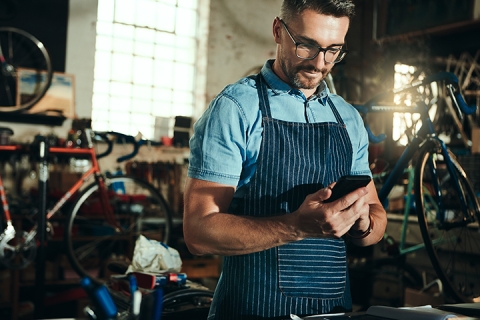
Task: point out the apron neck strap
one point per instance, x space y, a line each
265 104
263 96
335 111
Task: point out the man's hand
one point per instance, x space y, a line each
319 219
209 229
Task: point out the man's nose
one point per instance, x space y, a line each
319 60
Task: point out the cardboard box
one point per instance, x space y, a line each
201 268
476 140
414 298
62 181
5 286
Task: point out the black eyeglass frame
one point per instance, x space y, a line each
342 52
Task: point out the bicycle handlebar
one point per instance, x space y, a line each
451 79
453 88
104 136
126 139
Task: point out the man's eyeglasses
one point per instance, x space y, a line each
310 52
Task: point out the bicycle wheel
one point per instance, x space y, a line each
25 70
451 235
187 304
92 239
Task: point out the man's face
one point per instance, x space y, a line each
309 28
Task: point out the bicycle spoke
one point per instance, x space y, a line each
91 240
20 50
8 93
451 235
85 250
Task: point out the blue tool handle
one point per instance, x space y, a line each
105 308
158 305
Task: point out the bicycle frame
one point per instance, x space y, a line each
400 167
98 221
93 171
441 210
3 197
424 134
446 204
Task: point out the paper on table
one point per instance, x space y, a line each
319 316
413 313
154 256
467 309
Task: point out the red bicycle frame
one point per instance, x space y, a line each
93 171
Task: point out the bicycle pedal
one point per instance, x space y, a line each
49 228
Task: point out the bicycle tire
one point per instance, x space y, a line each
22 53
187 304
91 240
173 297
455 262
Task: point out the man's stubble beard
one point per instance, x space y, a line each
293 76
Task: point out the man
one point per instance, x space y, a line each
264 157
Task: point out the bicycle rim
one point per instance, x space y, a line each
92 240
453 243
25 70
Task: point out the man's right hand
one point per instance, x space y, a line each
209 229
315 218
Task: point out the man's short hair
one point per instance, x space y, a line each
336 8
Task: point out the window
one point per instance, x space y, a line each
145 65
406 124
402 122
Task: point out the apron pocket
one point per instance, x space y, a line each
313 268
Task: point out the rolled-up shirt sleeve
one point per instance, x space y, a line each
360 163
218 143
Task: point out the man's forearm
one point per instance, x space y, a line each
208 229
228 234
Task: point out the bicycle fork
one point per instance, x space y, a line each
109 215
398 170
9 245
441 210
9 230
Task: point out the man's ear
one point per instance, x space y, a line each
277 25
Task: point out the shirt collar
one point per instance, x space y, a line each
278 86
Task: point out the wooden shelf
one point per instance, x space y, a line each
51 283
33 118
201 268
105 238
444 30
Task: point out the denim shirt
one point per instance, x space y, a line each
225 145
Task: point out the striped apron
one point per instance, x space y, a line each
304 277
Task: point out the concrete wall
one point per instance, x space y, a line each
240 40
80 59
80 53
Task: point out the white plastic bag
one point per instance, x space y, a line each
154 256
